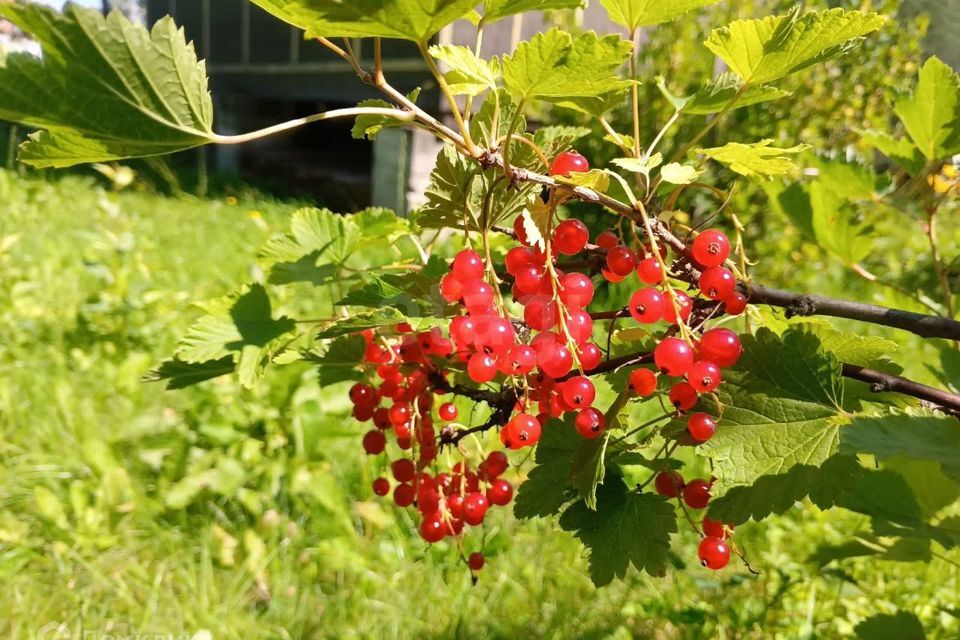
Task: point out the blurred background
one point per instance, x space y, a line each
221 512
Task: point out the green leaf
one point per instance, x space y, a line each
902 625
716 94
246 322
757 160
318 243
412 294
902 151
853 348
494 10
836 225
415 20
545 490
932 488
883 495
468 74
369 125
634 14
588 468
340 360
626 528
908 436
554 65
595 179
768 49
386 317
105 89
555 139
640 165
778 493
931 114
180 374
781 407
676 173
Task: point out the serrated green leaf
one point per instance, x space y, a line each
902 151
676 173
853 348
902 625
777 493
626 529
716 94
556 139
596 106
932 488
412 294
757 160
340 360
883 495
537 220
180 374
554 65
494 10
369 125
634 14
468 74
318 243
642 165
781 407
908 436
415 20
588 468
765 50
931 115
105 89
370 320
596 179
836 225
546 488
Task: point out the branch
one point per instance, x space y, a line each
802 304
879 382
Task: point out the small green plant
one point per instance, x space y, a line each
482 312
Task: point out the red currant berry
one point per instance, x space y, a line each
673 356
704 376
576 290
717 283
714 528
404 495
399 413
696 494
669 484
714 553
735 303
720 346
500 492
519 257
521 359
403 470
578 392
554 358
621 260
374 442
569 162
610 276
495 464
362 394
711 248
647 305
523 431
579 326
475 561
451 288
475 507
530 279
433 529
519 231
701 427
448 411
643 381
649 271
467 265
683 302
607 240
477 296
590 423
363 412
570 237
589 355
482 367
540 313
381 486
683 396
381 418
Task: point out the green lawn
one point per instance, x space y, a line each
125 508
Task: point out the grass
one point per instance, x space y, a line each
229 513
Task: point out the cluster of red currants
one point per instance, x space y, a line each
544 354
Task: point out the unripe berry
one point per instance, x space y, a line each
711 248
